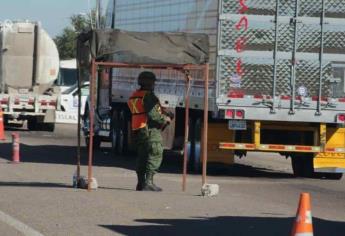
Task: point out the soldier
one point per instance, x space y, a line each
147 123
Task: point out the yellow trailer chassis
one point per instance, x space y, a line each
328 148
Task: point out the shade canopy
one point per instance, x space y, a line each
121 49
142 47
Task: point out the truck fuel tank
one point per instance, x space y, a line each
29 56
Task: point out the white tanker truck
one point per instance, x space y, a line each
29 65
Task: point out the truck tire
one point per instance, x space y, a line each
113 133
113 140
194 146
85 117
32 124
297 166
195 162
122 134
96 139
6 123
302 165
96 142
50 127
119 133
334 176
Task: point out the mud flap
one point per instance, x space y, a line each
219 132
329 163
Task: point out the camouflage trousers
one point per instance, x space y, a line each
149 154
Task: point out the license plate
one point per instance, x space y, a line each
237 125
24 98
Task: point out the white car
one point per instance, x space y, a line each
69 104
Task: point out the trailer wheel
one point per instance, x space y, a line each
334 176
194 158
6 123
48 127
32 124
297 166
96 142
302 165
113 133
96 139
119 133
113 140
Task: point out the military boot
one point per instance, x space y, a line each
141 181
150 186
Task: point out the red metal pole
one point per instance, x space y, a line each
205 126
186 133
91 116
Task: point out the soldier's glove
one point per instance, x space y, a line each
170 114
167 122
167 119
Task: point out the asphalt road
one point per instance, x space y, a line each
258 195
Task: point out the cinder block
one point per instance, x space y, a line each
83 182
209 190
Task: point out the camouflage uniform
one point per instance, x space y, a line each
148 140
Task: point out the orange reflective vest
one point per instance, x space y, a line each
136 106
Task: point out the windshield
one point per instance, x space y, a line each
67 77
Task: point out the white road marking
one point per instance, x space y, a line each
21 227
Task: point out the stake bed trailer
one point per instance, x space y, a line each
277 76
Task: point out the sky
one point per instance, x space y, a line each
53 14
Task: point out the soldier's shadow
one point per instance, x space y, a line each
58 154
225 225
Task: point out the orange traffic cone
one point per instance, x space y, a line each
2 128
303 224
